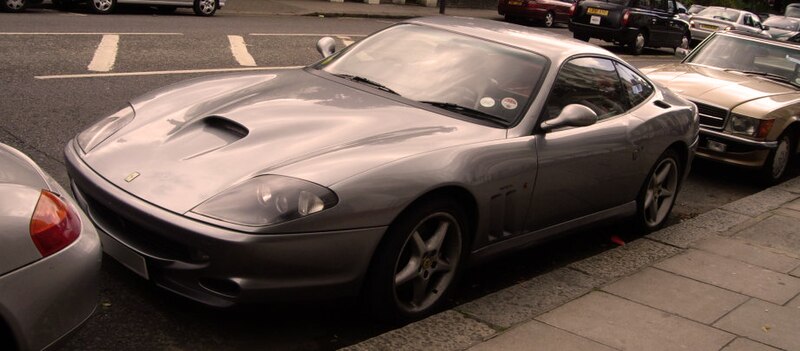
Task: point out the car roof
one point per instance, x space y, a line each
554 47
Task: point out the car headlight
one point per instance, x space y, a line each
104 128
266 200
749 126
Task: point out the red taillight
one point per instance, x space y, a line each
625 17
572 9
54 225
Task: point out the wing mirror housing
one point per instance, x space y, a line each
326 46
681 53
572 115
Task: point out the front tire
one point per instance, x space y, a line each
13 5
657 196
418 262
778 160
205 8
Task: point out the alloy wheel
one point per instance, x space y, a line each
548 20
102 6
427 263
15 5
684 42
661 191
781 158
207 7
638 44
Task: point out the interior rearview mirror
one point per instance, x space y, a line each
573 115
326 46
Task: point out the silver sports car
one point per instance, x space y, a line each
49 257
384 168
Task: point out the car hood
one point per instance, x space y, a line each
715 86
191 141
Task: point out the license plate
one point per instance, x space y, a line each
515 3
124 255
705 26
594 20
594 11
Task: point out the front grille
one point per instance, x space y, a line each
134 234
711 116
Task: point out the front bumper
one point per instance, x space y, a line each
616 35
738 151
217 266
48 299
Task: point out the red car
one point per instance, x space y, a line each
545 12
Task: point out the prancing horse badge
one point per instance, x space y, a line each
132 176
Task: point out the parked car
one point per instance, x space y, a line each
783 28
715 18
378 169
695 9
17 5
748 92
792 10
633 23
200 7
49 257
545 12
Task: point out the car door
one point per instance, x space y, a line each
584 170
662 21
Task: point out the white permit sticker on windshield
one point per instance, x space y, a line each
509 103
487 102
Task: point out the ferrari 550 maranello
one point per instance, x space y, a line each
383 169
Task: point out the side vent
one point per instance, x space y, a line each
504 220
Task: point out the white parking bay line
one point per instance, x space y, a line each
105 55
346 40
161 73
78 33
306 35
239 50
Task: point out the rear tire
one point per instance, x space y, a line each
549 20
418 262
13 5
103 7
658 194
638 43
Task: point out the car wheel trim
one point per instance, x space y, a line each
208 6
781 158
548 19
102 5
15 4
661 191
684 42
639 42
427 263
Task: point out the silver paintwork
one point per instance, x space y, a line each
378 152
41 299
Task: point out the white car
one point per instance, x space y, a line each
715 18
49 257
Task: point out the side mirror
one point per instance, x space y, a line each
573 115
326 46
681 53
681 10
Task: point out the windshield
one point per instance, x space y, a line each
782 23
769 59
439 67
695 9
720 13
792 10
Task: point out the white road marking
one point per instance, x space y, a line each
306 35
345 39
158 73
239 50
76 33
105 55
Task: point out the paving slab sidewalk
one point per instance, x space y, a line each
726 280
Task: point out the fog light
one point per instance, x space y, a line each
717 146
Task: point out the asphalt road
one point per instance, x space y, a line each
49 94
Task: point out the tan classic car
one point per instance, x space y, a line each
747 91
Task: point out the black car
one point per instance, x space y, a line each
635 23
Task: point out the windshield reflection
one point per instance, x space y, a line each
750 56
432 65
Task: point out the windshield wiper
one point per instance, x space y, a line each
368 81
471 112
772 76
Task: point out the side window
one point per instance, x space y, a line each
589 81
636 88
748 21
644 4
662 5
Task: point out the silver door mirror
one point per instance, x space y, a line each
681 53
326 46
573 115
